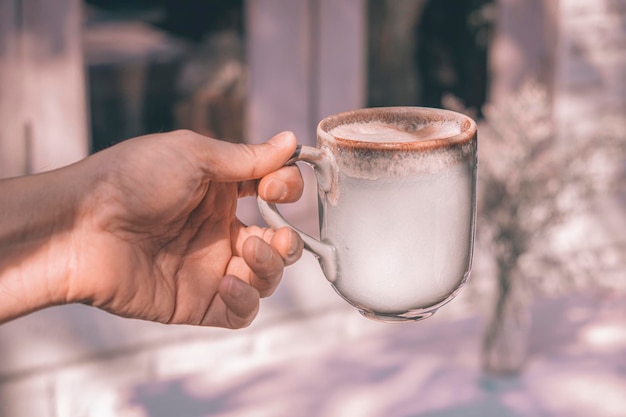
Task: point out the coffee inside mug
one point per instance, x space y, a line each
398 125
391 129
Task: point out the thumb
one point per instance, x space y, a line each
240 162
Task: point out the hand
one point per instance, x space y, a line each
158 238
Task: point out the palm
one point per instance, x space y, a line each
169 242
180 265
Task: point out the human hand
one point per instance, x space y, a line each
158 237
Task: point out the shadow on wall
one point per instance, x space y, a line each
175 398
392 374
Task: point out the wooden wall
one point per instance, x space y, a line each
43 114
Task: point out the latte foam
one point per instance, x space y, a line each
385 133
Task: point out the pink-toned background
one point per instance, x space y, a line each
73 79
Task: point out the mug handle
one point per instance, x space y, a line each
322 162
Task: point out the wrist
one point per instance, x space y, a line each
38 218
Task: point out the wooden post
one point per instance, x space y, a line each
13 159
43 115
306 60
524 45
340 60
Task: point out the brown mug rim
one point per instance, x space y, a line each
415 116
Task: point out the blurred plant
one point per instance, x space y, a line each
530 184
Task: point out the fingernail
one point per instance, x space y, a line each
262 253
282 139
275 190
294 244
235 289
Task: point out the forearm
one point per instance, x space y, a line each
38 215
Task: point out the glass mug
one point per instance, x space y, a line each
397 201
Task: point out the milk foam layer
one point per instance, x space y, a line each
386 133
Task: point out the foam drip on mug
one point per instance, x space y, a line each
385 133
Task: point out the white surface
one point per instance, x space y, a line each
323 360
577 368
343 365
30 396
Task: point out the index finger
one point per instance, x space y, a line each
282 186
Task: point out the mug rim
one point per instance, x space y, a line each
397 114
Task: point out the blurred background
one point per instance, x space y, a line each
540 330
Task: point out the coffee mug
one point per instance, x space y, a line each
397 198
